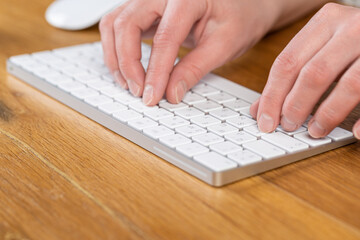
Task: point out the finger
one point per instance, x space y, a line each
254 108
316 76
128 26
341 101
108 45
173 29
356 129
286 68
209 54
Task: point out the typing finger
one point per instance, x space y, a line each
173 29
315 77
286 68
108 45
128 27
342 100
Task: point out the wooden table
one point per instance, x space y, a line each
63 176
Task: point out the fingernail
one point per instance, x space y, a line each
148 94
134 87
288 125
266 123
120 79
316 130
180 91
357 133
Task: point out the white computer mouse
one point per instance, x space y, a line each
79 14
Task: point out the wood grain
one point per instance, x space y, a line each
63 176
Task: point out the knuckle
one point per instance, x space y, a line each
329 115
285 64
329 10
315 74
105 22
351 82
164 38
271 98
120 21
294 109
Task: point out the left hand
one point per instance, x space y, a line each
325 50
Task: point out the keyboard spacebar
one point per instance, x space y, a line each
231 87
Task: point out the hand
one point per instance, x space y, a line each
325 50
219 31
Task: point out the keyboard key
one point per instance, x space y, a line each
189 113
142 123
207 139
190 130
221 98
340 134
205 121
192 149
98 100
237 105
244 157
313 142
225 148
127 115
58 79
84 93
222 129
208 106
254 130
126 98
246 111
141 107
71 86
112 107
158 132
215 161
157 114
241 121
172 107
240 137
174 122
224 113
286 142
113 91
192 98
174 140
100 85
204 90
299 130
264 149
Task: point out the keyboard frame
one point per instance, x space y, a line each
216 179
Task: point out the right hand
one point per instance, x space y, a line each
219 30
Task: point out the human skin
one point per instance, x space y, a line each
218 31
324 51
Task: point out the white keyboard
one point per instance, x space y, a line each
210 134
